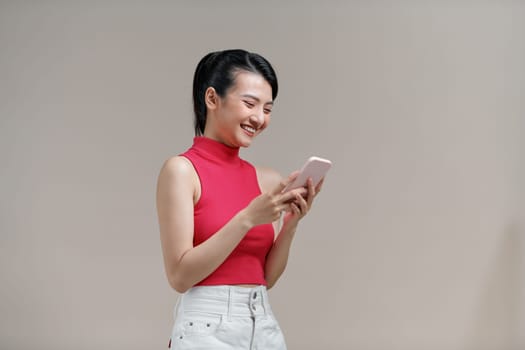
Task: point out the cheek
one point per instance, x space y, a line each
266 121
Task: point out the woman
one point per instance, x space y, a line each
219 215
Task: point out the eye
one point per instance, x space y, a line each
249 104
267 110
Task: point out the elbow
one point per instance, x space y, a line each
270 282
179 278
179 284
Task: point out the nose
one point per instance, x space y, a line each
258 118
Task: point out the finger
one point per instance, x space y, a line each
283 207
285 182
319 186
302 204
310 194
291 195
295 208
302 191
311 191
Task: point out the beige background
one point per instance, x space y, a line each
417 241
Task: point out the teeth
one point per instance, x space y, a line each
248 128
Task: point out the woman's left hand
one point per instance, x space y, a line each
301 205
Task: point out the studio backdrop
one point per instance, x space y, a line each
417 240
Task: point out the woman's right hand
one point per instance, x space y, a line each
267 207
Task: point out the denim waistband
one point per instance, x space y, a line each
226 300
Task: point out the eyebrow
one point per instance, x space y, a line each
257 99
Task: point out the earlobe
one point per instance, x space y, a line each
210 98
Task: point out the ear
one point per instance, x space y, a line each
211 98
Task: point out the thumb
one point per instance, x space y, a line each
285 182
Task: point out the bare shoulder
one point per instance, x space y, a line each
268 178
177 166
178 174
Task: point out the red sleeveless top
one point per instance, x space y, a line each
228 184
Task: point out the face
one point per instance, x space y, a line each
242 114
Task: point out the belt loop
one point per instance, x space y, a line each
230 303
264 299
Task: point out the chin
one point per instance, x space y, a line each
245 140
245 144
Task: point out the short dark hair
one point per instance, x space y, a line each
218 69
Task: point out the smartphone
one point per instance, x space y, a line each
315 167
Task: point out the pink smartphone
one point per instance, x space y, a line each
315 167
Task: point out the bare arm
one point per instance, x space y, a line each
177 191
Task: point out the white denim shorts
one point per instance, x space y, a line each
225 317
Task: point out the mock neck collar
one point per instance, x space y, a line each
215 149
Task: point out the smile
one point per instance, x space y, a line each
249 129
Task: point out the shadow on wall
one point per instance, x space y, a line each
499 317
